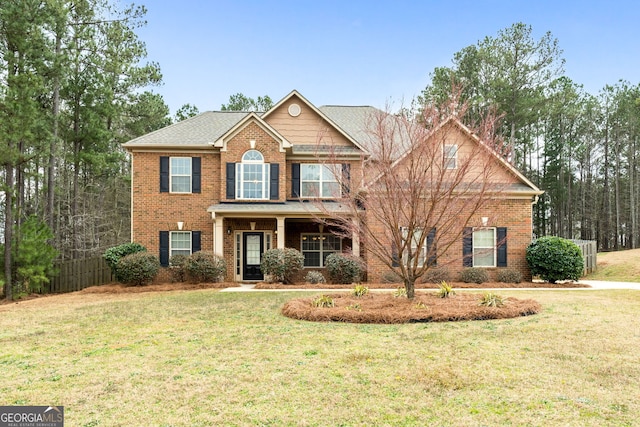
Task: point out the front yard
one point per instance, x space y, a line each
202 358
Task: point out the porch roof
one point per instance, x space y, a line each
291 208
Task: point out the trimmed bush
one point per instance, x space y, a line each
437 275
314 277
508 275
391 277
114 254
344 269
177 264
554 258
138 269
205 266
282 264
474 275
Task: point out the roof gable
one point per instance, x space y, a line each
252 117
318 126
517 181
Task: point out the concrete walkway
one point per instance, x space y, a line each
600 284
595 284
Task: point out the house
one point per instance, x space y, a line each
240 183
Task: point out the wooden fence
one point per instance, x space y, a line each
589 250
78 274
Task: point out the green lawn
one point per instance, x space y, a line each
203 358
621 266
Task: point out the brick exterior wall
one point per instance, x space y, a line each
153 211
514 214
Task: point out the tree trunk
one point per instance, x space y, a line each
8 232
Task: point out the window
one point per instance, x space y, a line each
420 246
180 243
252 177
317 247
180 175
484 247
450 156
318 180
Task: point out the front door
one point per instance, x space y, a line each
253 247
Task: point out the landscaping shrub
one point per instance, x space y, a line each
360 291
177 266
344 269
281 264
314 277
390 277
138 269
400 293
205 266
509 275
323 301
437 275
474 275
445 290
490 299
114 254
555 258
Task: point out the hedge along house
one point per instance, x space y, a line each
240 183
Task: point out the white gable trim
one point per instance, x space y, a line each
319 113
251 118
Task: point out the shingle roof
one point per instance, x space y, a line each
202 129
353 120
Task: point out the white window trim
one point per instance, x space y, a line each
329 168
321 250
266 177
171 175
485 248
171 248
450 162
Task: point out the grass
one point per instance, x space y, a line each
202 358
622 266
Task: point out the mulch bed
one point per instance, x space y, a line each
425 307
119 288
457 285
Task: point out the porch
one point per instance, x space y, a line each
242 232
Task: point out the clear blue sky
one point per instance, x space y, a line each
366 52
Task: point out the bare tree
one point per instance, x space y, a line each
425 180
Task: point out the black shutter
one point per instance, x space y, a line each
231 180
295 179
195 241
346 178
274 193
501 236
164 174
432 251
195 174
467 247
164 248
395 259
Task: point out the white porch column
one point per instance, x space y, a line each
355 238
218 236
280 229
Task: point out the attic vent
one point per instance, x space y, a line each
294 110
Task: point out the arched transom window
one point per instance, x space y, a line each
252 177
